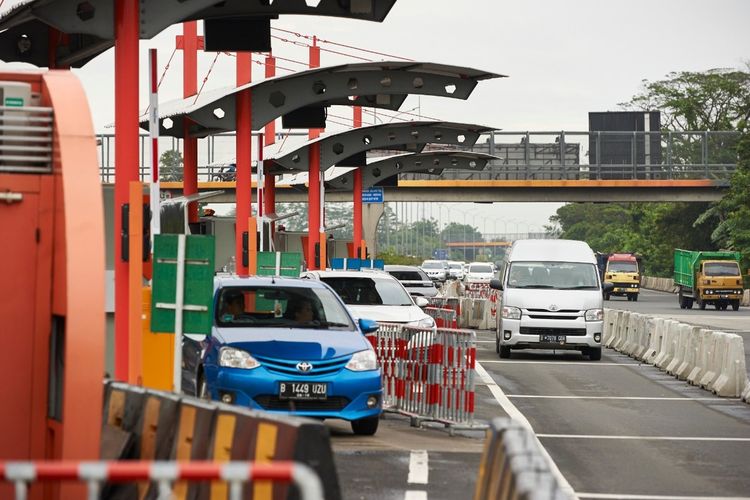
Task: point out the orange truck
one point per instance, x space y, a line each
624 271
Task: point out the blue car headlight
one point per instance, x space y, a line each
237 358
594 315
363 361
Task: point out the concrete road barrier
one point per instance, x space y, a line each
733 376
166 426
713 360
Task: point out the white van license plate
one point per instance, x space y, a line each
549 338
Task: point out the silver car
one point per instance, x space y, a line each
415 280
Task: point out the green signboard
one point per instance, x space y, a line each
198 283
287 264
14 102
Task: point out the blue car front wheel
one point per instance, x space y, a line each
365 426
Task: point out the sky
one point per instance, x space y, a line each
563 59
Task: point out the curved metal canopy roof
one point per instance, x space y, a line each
410 136
373 84
426 162
90 24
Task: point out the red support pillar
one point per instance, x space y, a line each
314 201
126 159
357 194
190 88
313 191
243 148
269 188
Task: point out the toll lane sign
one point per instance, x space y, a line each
372 195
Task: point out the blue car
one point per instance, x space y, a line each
286 345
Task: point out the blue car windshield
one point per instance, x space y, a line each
280 307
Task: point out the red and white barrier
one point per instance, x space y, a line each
94 474
428 374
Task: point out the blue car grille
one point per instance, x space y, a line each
268 402
289 367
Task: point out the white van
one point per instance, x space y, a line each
551 298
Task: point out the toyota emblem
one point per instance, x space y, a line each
304 366
553 307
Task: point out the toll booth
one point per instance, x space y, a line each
52 322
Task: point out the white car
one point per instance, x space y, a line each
376 295
456 269
437 270
480 272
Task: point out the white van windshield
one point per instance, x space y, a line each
557 275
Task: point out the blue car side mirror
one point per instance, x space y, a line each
368 325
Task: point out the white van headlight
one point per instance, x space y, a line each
594 315
363 361
237 358
511 312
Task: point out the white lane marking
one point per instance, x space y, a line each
415 495
644 438
561 363
636 398
607 496
418 467
513 413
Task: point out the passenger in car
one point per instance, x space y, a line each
234 306
299 310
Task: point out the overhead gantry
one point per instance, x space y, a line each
380 84
350 148
35 28
426 162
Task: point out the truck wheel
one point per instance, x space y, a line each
688 303
505 351
635 297
735 305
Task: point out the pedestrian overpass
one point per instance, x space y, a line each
529 167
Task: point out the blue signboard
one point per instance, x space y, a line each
372 195
440 254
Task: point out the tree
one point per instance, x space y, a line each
170 166
717 99
733 232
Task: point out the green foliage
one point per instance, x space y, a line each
733 231
170 166
391 257
653 230
717 99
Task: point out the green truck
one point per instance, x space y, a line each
708 278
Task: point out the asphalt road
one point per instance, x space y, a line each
614 428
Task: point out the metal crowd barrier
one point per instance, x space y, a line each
477 290
444 317
164 474
514 467
428 375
